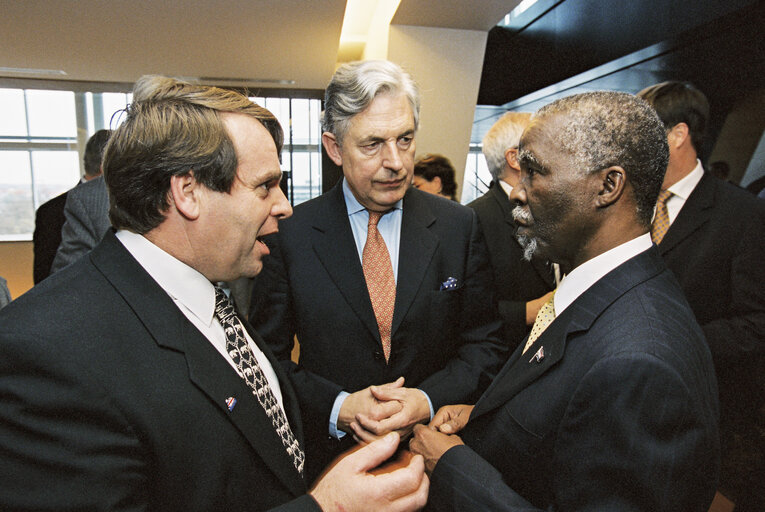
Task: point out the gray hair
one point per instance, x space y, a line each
604 129
503 135
354 86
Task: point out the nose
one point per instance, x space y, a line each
391 157
518 194
281 209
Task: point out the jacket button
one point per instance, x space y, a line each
378 355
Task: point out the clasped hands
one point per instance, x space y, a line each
374 411
377 410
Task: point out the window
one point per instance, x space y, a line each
42 135
301 155
477 176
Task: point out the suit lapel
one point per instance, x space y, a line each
208 370
696 212
540 267
522 370
416 249
331 236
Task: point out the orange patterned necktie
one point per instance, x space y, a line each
661 219
544 318
378 273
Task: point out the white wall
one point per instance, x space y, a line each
446 63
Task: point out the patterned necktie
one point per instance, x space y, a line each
544 318
661 218
239 350
378 273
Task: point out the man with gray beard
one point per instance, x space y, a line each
611 402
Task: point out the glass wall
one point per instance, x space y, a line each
43 134
477 176
301 155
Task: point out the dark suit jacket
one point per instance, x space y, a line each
49 219
619 414
716 248
110 399
312 285
516 281
87 219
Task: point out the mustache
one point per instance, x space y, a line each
521 214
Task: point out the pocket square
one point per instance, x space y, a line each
449 284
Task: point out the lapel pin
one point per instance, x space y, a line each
230 403
449 284
538 356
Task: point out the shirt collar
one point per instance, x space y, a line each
588 273
353 205
183 283
685 186
508 188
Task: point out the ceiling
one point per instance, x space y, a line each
263 43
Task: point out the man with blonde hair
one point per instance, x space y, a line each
521 286
156 396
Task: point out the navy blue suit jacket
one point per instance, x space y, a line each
444 342
110 399
619 414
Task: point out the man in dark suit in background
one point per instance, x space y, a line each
520 286
712 236
49 218
611 403
87 219
377 279
127 380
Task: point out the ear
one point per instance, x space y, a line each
185 194
511 157
612 183
677 135
437 181
332 147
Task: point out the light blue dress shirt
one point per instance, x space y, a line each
390 229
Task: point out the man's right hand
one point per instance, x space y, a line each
349 486
450 419
364 402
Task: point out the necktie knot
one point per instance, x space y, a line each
374 217
660 223
224 308
544 318
664 196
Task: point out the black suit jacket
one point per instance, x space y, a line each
516 281
49 219
716 248
620 413
110 399
312 286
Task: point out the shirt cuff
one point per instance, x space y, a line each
335 414
430 404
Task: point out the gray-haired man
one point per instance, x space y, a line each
366 313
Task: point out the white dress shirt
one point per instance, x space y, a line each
195 297
588 273
682 190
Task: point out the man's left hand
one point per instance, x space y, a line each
431 444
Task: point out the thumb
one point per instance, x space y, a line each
375 453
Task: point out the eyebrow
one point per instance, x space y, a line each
375 138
